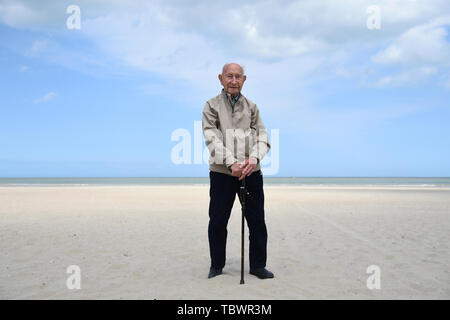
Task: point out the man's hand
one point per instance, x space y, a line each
236 170
247 167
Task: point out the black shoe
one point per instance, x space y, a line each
214 272
262 273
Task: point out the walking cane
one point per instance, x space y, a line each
243 192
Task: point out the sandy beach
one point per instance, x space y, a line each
150 242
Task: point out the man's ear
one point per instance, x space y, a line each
244 78
220 78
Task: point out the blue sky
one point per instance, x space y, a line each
105 99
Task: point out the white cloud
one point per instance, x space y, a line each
421 45
410 77
415 56
38 46
267 29
190 40
18 14
46 98
88 60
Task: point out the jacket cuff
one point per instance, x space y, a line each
229 161
254 155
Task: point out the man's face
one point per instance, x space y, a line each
232 79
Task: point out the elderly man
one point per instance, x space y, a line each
237 140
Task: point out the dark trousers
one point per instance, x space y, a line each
223 190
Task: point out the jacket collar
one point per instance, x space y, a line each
230 97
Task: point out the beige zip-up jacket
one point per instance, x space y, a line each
233 136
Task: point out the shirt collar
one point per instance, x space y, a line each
232 99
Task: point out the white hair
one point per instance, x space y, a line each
227 64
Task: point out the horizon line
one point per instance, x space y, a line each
289 177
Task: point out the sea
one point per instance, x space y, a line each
282 181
